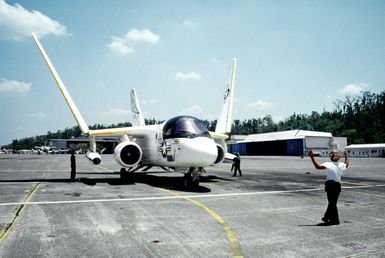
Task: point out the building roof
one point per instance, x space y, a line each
366 146
284 135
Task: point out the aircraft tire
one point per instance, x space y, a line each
195 183
187 180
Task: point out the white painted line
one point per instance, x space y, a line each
181 197
56 170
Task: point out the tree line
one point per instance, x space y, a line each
361 119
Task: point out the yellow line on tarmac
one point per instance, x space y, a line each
5 231
236 249
351 183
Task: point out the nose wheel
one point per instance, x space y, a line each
191 179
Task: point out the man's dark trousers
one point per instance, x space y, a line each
333 190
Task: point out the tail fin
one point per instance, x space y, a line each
226 117
78 117
135 108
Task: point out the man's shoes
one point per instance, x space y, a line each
330 222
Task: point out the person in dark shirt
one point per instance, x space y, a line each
236 165
73 165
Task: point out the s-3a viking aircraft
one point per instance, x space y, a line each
181 143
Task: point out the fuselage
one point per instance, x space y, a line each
180 142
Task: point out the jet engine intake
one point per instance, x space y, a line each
94 157
221 154
128 154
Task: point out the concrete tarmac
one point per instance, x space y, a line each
273 210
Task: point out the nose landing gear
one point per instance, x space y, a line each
191 178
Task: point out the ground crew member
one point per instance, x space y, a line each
236 165
73 165
334 170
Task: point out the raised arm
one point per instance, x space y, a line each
346 159
315 163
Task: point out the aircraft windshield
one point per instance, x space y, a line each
184 127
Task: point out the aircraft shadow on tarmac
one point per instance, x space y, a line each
167 182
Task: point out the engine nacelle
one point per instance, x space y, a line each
94 157
221 154
128 154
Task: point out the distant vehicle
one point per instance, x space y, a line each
182 142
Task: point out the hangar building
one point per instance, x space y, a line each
376 150
106 145
287 143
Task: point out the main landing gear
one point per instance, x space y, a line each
191 178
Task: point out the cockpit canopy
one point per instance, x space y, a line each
184 127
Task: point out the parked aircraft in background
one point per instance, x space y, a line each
43 149
182 142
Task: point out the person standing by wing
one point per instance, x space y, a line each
334 170
236 165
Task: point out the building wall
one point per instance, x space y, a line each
59 144
291 147
366 153
317 142
240 148
269 148
294 147
107 146
341 142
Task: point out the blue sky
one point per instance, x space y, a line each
293 57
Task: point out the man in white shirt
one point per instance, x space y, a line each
333 173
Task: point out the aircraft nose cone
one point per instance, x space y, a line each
201 152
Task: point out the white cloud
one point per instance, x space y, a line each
124 45
17 23
260 104
188 76
14 87
120 47
144 35
353 89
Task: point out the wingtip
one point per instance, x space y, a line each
34 37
